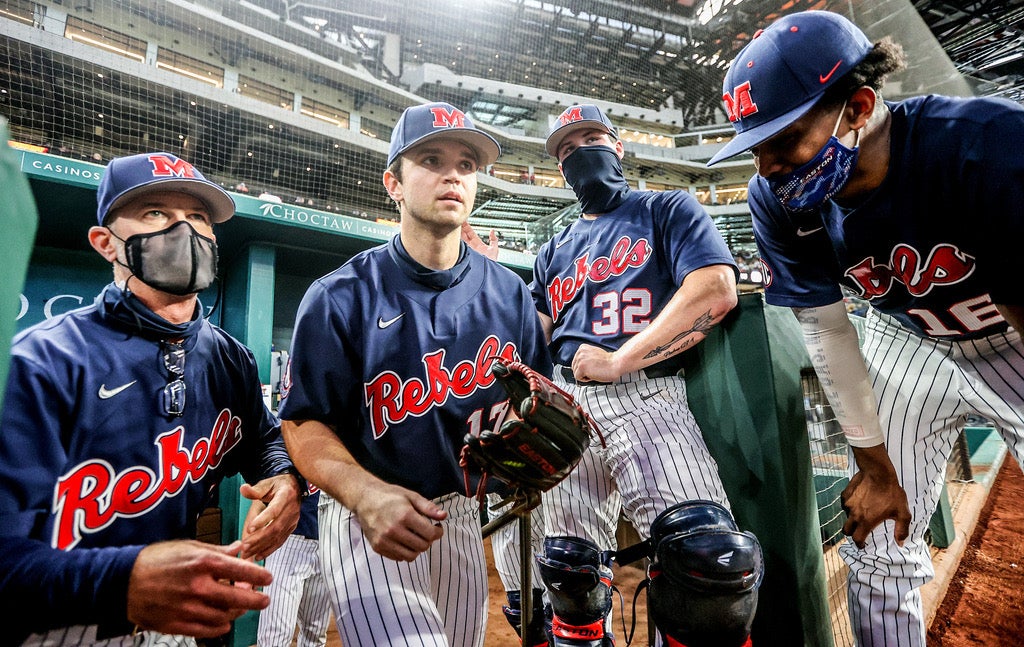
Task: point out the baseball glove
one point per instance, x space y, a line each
543 446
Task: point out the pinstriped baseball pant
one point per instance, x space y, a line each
655 456
505 546
925 389
298 596
85 636
438 599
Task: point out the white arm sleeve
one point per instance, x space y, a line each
831 341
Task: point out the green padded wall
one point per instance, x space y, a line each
18 220
743 385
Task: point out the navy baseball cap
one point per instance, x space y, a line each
573 118
782 73
440 120
126 178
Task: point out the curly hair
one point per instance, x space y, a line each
885 57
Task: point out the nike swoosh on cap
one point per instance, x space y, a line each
105 393
826 77
384 324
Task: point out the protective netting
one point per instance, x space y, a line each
296 100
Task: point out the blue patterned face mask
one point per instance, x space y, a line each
806 188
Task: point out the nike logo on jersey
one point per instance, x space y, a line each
802 232
109 393
562 242
824 78
384 324
648 396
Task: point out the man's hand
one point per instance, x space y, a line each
399 523
593 364
273 515
192 588
874 495
477 244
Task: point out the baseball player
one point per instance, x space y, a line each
915 206
298 595
505 546
120 418
389 370
621 292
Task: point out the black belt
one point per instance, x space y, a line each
670 369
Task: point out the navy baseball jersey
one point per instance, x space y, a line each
89 459
397 359
934 245
308 526
603 280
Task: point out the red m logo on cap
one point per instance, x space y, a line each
741 105
444 118
165 167
570 115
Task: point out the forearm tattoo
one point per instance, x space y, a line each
701 325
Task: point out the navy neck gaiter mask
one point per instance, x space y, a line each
595 175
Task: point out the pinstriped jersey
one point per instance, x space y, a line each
401 369
935 244
603 280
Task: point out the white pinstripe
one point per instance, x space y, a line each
655 457
505 546
925 389
298 595
85 636
438 599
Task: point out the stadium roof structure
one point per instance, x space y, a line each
656 65
646 53
985 41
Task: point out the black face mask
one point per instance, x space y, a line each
595 175
177 260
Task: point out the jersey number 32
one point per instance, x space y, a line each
627 313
